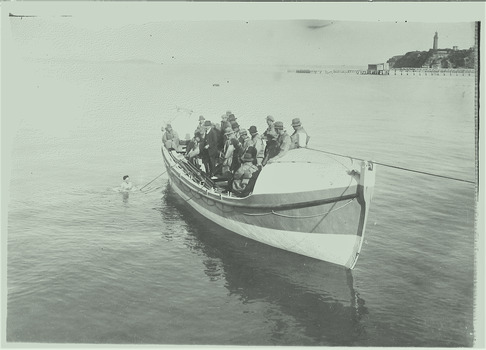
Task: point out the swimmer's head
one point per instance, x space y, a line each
125 177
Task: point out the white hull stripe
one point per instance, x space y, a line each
335 248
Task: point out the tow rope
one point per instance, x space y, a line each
397 167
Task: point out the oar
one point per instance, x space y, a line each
152 180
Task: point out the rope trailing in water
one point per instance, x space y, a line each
153 180
397 167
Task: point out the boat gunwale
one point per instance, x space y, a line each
233 201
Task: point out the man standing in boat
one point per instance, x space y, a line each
270 122
244 140
224 123
299 138
231 117
200 127
258 144
271 147
236 129
211 143
283 141
222 128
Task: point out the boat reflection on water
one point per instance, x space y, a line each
316 295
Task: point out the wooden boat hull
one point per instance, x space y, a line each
326 223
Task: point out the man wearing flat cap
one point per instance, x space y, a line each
299 138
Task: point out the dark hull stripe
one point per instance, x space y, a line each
317 219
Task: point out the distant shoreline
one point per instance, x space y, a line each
392 71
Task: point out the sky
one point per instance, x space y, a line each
196 33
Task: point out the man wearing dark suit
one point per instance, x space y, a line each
211 142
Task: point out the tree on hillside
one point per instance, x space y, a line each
414 59
452 59
457 58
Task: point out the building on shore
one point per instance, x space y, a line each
378 68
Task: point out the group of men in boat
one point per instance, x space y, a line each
231 152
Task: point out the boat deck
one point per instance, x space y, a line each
299 171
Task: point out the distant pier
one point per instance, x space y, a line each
327 71
432 71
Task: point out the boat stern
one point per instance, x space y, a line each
366 185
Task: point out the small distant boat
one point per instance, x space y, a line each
304 203
215 84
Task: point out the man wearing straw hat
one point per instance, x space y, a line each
299 138
170 139
283 141
258 144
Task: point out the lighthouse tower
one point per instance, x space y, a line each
436 41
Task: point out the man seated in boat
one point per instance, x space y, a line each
194 149
245 177
299 138
170 139
283 142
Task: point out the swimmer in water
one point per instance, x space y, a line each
126 184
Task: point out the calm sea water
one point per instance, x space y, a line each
87 264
